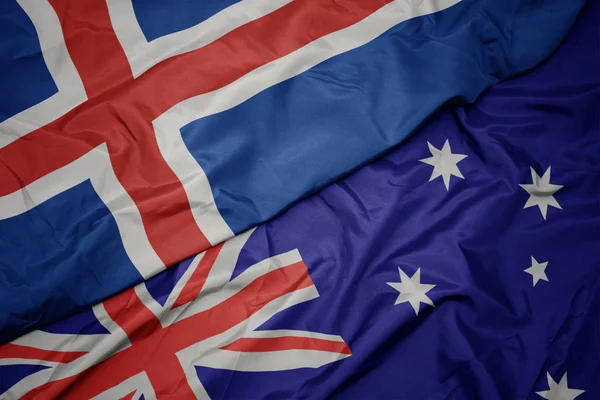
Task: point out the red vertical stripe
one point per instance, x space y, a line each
93 44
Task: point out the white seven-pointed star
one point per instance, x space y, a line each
412 290
559 391
541 192
537 270
444 163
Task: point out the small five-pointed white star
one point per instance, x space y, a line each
412 290
537 270
541 192
444 163
559 391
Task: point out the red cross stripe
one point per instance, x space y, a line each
157 340
120 109
153 347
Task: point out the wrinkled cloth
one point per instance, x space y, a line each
487 328
158 159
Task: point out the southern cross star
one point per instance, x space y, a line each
412 290
444 163
537 271
541 192
559 391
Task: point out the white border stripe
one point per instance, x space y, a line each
251 323
105 347
194 181
58 341
209 349
218 277
70 88
182 283
277 333
27 361
140 383
164 313
74 342
224 265
210 299
142 54
167 126
96 167
269 361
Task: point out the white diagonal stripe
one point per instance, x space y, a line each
211 299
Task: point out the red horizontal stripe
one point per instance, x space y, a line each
154 347
287 343
31 353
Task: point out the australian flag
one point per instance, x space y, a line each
465 264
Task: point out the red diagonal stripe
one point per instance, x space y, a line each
127 310
194 285
154 348
129 396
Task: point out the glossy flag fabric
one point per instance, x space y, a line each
463 265
134 135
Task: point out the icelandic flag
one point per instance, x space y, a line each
463 265
135 134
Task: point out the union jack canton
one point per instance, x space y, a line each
147 341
